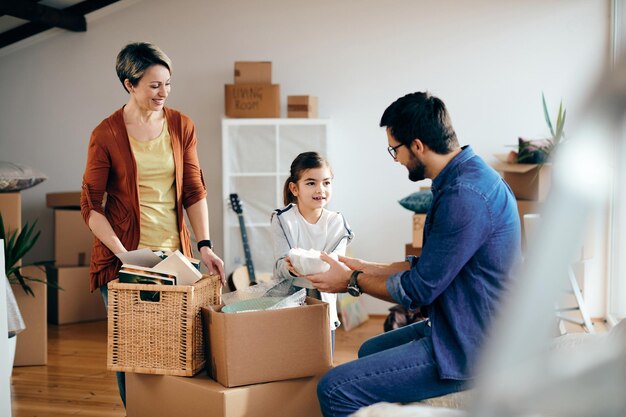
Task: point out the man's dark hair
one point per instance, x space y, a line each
421 116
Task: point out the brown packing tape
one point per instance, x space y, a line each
298 107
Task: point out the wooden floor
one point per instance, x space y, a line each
76 383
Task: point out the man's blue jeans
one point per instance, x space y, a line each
121 378
398 366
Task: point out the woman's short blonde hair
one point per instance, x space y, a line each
135 58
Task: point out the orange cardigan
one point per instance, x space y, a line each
111 168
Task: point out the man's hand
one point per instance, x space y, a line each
213 262
354 263
335 280
373 268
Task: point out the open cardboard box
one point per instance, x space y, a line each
271 345
528 181
200 396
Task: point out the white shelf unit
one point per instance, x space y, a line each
256 157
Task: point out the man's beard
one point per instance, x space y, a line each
417 170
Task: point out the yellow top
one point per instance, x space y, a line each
157 192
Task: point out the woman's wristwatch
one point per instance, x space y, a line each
205 242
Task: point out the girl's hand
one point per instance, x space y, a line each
290 267
213 262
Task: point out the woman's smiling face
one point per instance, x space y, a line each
152 89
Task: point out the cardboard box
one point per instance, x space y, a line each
410 250
418 230
11 209
302 106
73 303
200 396
73 241
63 200
528 181
32 343
272 345
252 100
254 72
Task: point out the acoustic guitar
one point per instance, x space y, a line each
244 276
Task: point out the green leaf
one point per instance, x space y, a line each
546 115
22 281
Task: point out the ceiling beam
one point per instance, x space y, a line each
29 29
45 15
32 1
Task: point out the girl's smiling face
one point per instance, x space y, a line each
314 188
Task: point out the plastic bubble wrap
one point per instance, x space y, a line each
264 296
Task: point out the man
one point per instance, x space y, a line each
471 242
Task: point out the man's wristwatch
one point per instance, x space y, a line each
206 242
353 285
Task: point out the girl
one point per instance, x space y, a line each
304 223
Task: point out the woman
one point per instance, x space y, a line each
144 158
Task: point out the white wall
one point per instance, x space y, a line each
488 60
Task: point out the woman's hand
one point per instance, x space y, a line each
213 262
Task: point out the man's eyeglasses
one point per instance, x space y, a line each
393 150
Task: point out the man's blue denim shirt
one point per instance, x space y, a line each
471 244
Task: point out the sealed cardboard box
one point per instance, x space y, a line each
271 345
253 72
200 396
74 302
63 200
73 240
302 106
527 181
11 210
252 100
418 230
32 343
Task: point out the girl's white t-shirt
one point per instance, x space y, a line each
330 234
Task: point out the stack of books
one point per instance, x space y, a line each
146 267
131 274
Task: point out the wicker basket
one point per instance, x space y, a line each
158 337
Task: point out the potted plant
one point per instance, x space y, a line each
16 245
539 151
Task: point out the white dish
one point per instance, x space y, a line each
307 262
